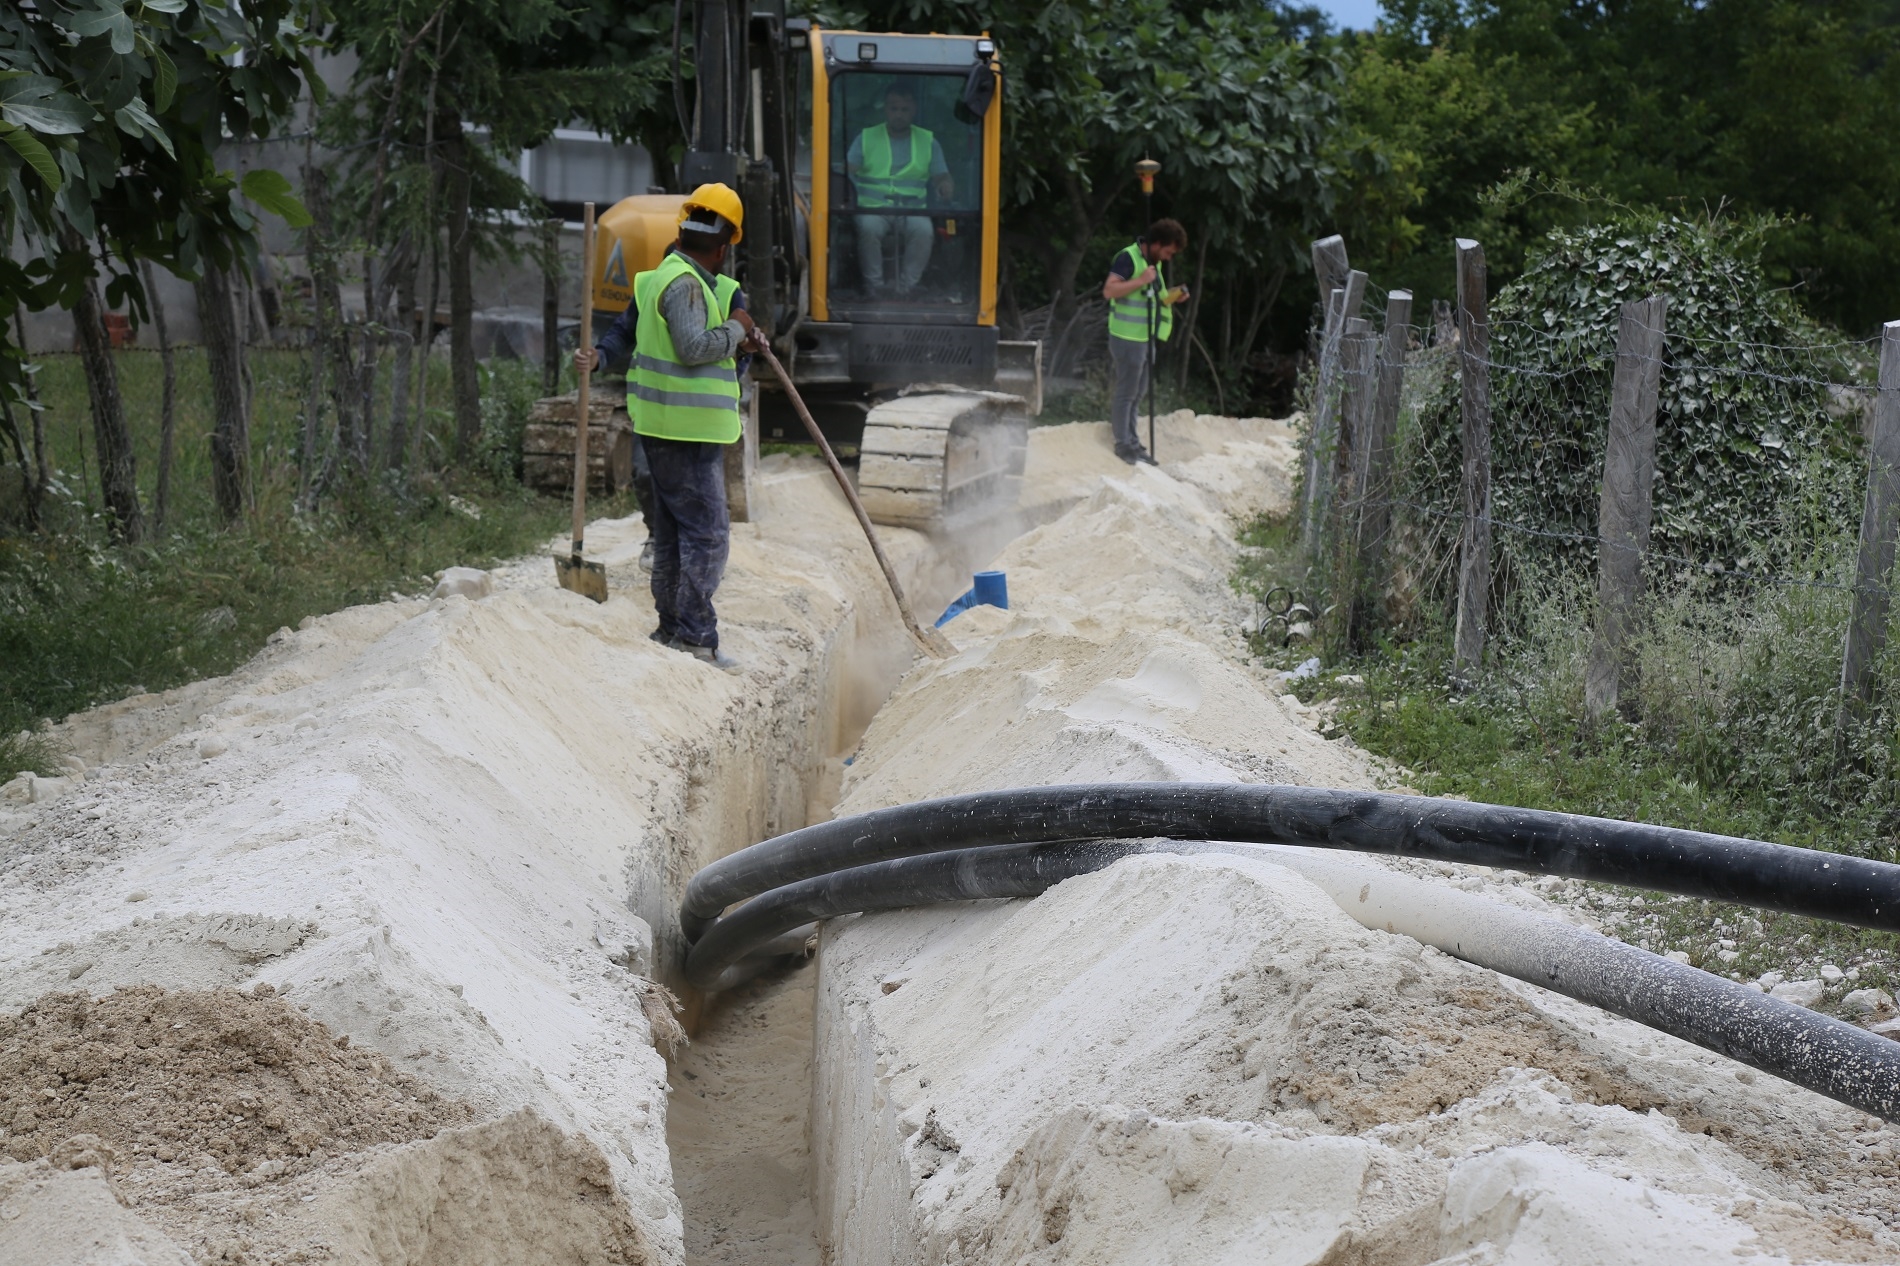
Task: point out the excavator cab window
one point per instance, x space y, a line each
906 192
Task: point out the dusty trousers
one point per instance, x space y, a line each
914 241
691 535
1130 364
642 482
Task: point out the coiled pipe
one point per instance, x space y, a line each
1823 1054
1663 859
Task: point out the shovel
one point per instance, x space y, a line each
582 575
938 646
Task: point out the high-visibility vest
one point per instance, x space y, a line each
666 397
1128 315
878 185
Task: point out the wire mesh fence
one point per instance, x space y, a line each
1762 509
1689 533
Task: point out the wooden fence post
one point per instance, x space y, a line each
1322 427
1376 483
1867 631
1629 474
1358 355
1474 376
1330 266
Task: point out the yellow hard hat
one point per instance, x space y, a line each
721 201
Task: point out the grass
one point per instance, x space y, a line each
83 621
1728 728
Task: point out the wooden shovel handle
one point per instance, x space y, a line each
933 642
587 341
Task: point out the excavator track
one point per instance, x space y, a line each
932 459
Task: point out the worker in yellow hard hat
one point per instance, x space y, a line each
687 327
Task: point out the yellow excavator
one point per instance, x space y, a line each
869 166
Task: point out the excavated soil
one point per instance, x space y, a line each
239 1082
358 955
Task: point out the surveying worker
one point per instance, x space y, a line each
1140 318
896 164
688 327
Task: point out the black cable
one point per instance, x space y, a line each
1828 1056
1664 859
970 874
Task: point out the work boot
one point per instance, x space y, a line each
1146 458
707 655
1128 455
661 636
646 555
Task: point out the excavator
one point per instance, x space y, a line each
878 295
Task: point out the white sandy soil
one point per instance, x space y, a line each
1205 1059
446 838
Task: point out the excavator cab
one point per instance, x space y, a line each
906 159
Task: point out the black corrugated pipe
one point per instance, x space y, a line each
1823 1054
1664 859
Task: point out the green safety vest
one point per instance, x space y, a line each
879 186
665 397
1128 316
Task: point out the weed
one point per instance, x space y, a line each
82 622
509 389
1728 723
31 751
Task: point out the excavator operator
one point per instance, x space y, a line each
897 164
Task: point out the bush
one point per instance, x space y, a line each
1729 722
509 391
1743 430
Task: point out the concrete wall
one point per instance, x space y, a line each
574 166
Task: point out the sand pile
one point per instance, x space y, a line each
452 831
227 1079
1205 1059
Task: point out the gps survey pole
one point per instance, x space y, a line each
1148 169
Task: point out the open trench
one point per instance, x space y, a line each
444 841
741 1092
1204 1059
738 1125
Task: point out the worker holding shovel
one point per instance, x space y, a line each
683 396
1140 318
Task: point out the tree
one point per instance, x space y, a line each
487 78
111 116
1774 107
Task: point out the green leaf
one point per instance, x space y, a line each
133 117
164 79
270 191
165 6
109 18
39 103
30 148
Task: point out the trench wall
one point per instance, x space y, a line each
455 832
1207 1059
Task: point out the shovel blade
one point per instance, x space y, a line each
582 575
